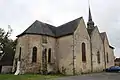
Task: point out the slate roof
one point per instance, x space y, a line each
117 60
41 28
90 31
111 47
7 59
67 28
103 34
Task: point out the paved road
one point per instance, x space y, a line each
94 76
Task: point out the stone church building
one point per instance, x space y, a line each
72 48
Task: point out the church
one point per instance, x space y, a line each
72 48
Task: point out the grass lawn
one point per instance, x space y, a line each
27 77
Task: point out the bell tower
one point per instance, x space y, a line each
90 23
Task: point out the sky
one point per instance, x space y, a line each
20 14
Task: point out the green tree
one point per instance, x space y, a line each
7 45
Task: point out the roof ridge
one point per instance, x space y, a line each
27 28
102 32
50 27
69 21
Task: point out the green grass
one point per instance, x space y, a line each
27 77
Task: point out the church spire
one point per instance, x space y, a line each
90 16
90 23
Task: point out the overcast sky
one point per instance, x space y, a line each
20 14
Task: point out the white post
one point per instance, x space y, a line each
18 68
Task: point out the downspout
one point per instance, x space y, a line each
73 56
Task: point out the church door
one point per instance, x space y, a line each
44 61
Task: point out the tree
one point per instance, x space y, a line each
7 45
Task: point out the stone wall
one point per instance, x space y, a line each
111 57
82 36
65 52
63 49
71 45
6 69
52 66
97 47
106 48
110 53
23 43
27 42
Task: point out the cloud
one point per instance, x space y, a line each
22 13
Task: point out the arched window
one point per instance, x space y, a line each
34 54
107 58
45 55
19 54
49 55
98 57
83 52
